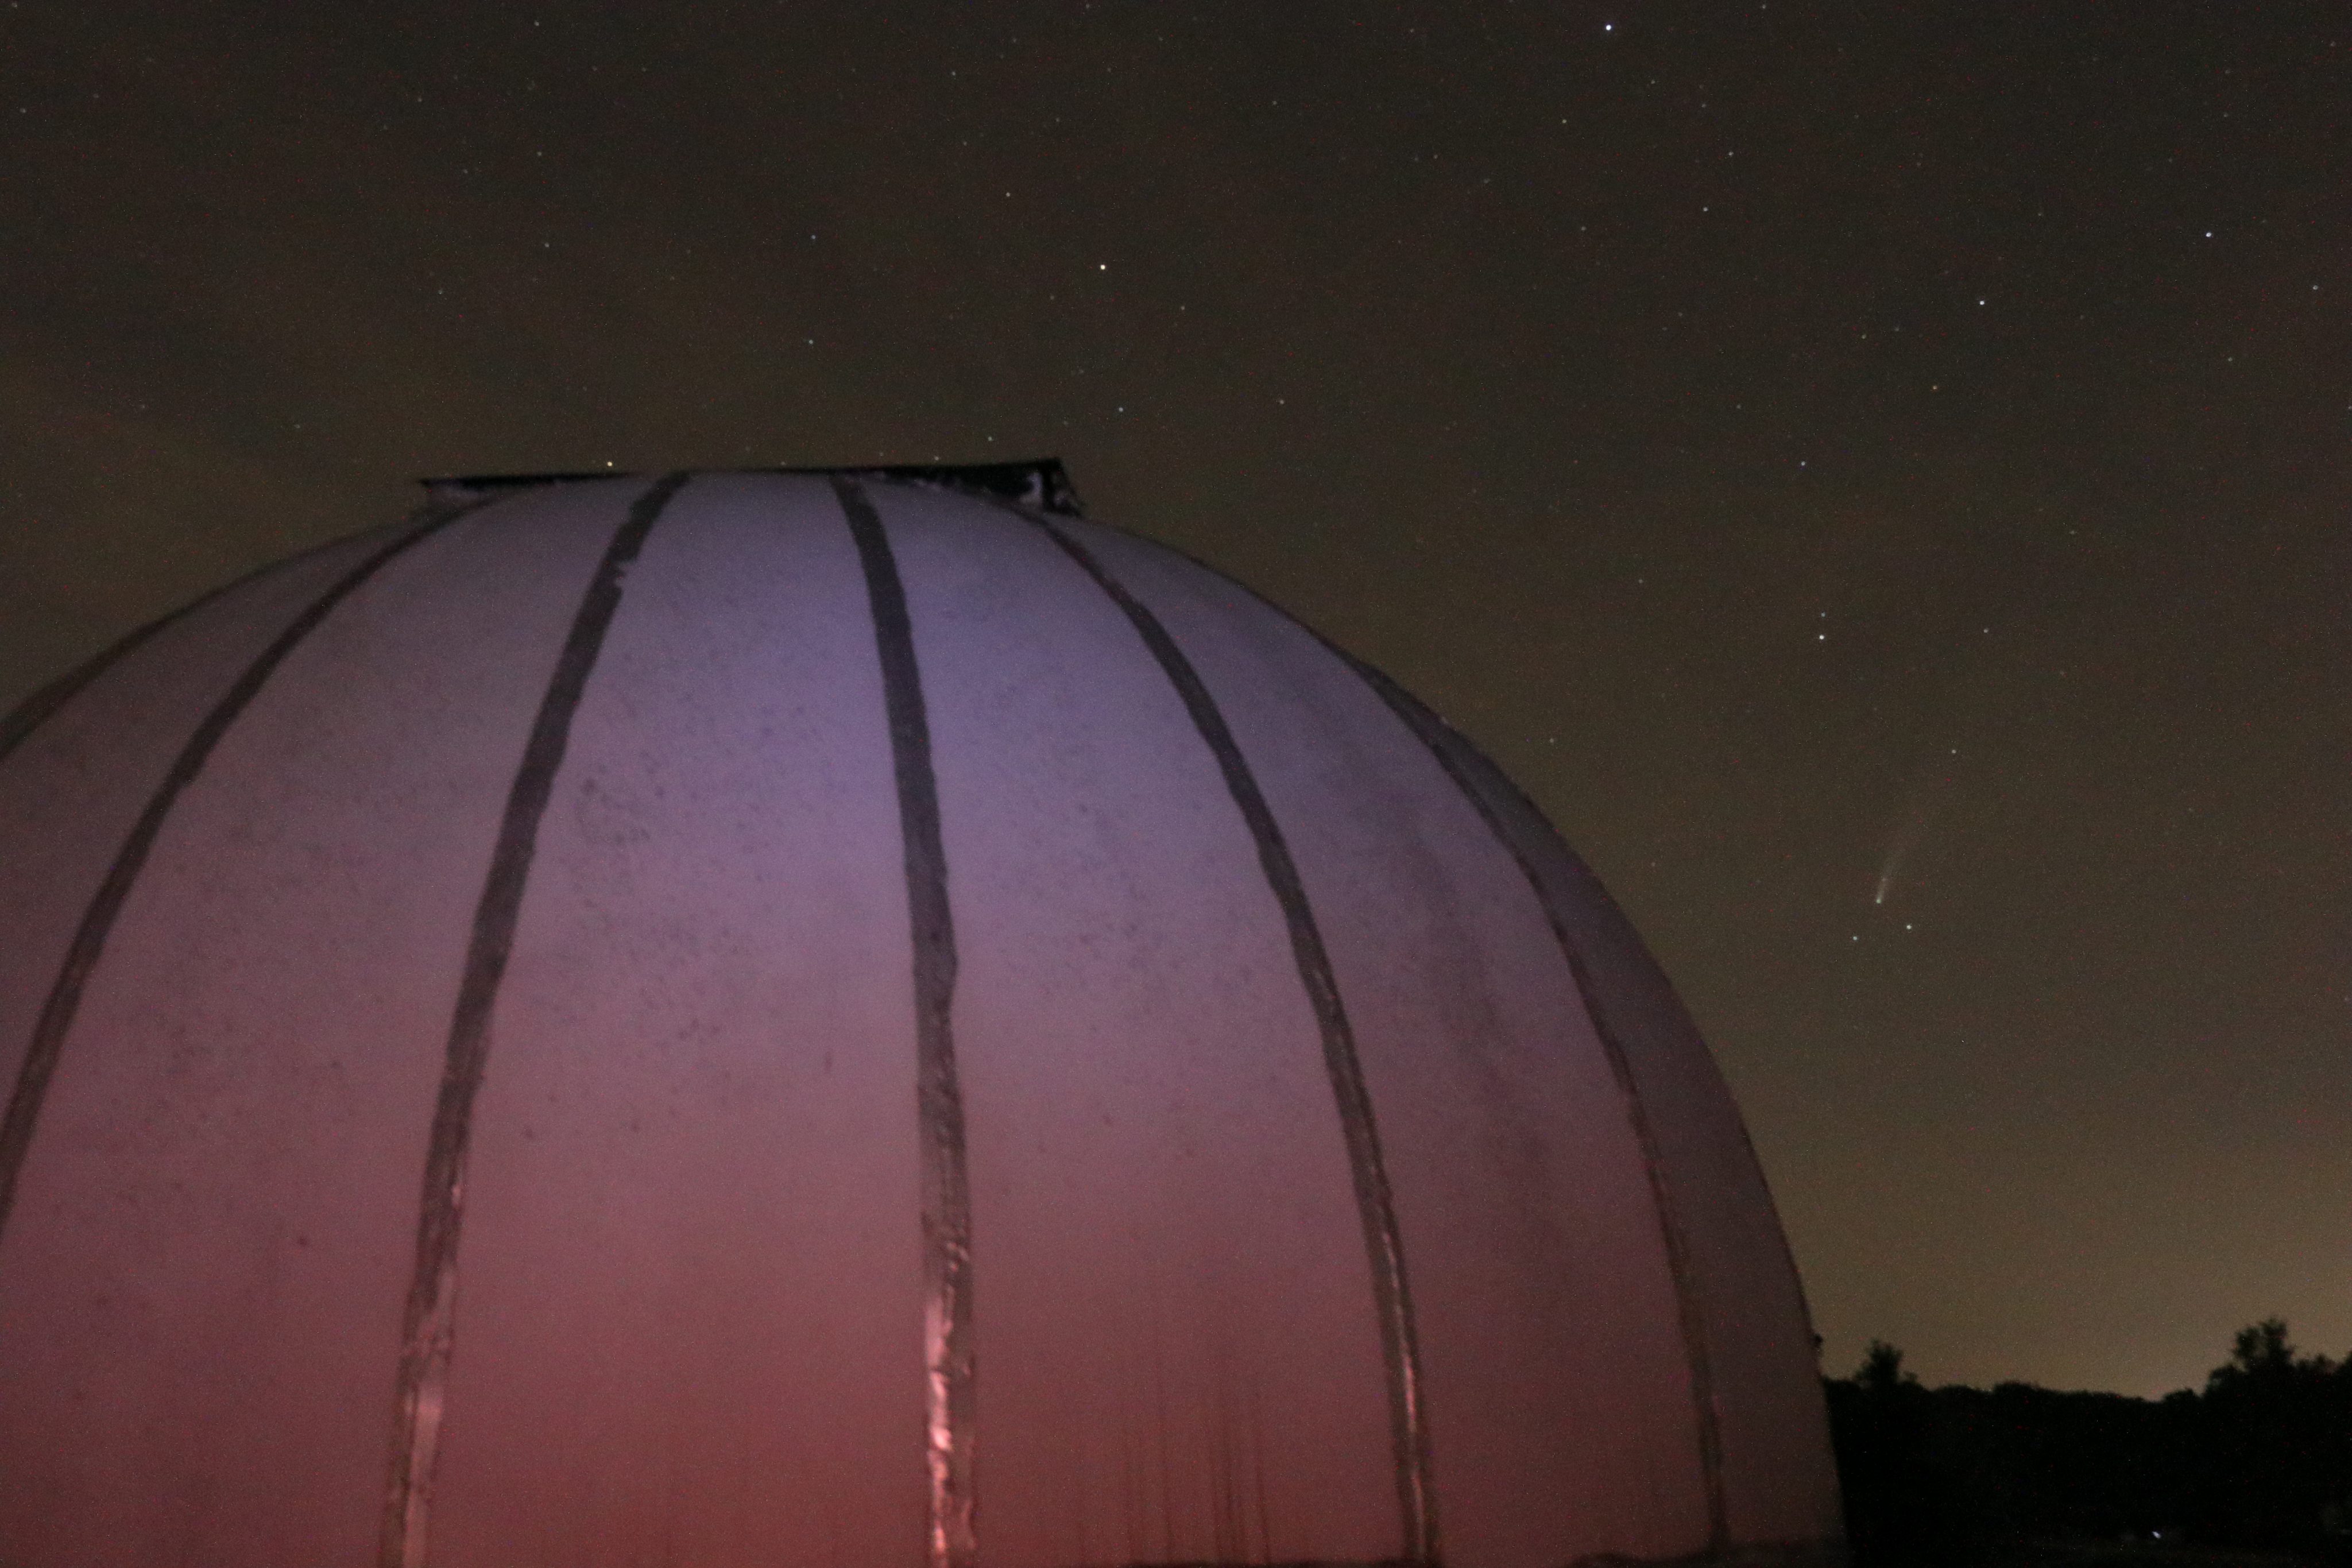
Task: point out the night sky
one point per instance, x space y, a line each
1876 473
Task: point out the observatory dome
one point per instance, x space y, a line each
840 1019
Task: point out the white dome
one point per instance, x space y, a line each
833 1020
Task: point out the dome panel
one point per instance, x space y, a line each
1545 1312
213 1230
1179 1359
75 778
689 1267
1745 1310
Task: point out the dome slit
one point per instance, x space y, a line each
1391 1291
63 999
949 1369
429 1314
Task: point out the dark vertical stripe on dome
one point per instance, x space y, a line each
29 715
1448 748
89 945
948 1363
429 1316
1393 1296
35 710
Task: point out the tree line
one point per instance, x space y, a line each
2258 1459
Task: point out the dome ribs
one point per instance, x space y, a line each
947 1362
1453 756
1255 981
22 1117
1392 1298
27 716
1474 776
428 1317
20 722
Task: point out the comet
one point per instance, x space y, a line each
1921 806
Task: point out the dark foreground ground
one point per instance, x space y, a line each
2255 1470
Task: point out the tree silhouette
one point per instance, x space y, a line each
2278 1444
2260 1459
1900 1506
